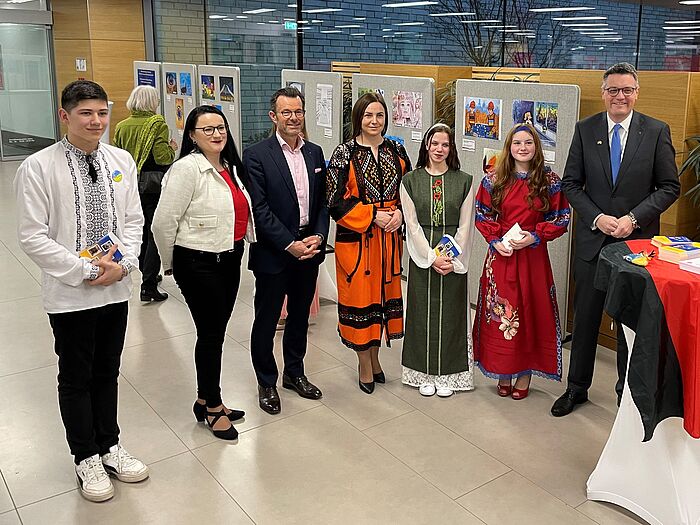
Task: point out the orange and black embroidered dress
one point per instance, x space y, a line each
367 258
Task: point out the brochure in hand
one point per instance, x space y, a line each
101 247
447 247
512 235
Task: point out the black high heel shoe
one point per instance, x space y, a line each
200 412
379 377
229 434
367 388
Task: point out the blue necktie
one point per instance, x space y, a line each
615 152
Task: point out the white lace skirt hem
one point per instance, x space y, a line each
456 382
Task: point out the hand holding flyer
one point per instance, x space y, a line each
447 247
101 247
515 233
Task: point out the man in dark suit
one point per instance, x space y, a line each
288 181
619 177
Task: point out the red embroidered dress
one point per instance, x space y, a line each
517 330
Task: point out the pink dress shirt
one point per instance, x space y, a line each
300 176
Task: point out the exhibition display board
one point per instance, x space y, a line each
148 74
179 83
485 111
410 102
220 86
323 94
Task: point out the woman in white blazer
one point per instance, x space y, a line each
203 215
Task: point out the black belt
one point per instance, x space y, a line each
210 256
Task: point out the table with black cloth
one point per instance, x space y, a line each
651 462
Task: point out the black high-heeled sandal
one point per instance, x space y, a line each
367 388
230 433
200 412
379 377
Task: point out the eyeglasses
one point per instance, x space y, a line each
299 113
209 130
613 91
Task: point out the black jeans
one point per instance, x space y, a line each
298 282
149 259
89 346
209 283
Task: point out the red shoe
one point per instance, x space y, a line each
504 390
521 393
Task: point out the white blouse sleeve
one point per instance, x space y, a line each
418 248
464 233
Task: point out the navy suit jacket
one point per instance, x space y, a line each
646 185
275 203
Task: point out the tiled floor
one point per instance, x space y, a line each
393 457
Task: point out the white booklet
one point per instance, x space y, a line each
512 235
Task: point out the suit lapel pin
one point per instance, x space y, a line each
600 143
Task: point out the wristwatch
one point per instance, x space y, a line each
633 219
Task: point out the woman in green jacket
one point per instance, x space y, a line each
145 135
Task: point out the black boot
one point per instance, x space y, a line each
152 294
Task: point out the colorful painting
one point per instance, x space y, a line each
546 122
186 84
226 89
180 113
490 159
171 83
407 109
298 85
482 118
523 112
208 89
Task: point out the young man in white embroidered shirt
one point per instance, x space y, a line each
69 196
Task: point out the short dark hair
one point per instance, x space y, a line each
452 158
229 155
621 68
80 90
290 92
358 112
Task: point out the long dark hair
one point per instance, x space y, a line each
358 112
452 158
537 182
229 155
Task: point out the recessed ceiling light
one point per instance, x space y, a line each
410 4
217 17
682 22
331 31
358 34
577 18
410 24
463 13
690 2
241 16
585 25
480 21
322 10
347 26
259 11
559 9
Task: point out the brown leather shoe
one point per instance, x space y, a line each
269 399
302 386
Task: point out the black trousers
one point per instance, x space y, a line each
588 312
89 346
149 259
298 282
209 283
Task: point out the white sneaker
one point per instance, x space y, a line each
444 392
93 481
123 465
427 390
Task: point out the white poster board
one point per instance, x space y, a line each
148 74
323 94
485 111
220 86
410 102
179 83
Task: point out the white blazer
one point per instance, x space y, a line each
196 210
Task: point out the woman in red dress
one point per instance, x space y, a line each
517 331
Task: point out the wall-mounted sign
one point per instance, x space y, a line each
81 64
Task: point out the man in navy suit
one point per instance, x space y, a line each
620 176
288 187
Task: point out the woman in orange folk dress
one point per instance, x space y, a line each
364 176
517 331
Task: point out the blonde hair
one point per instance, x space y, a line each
143 98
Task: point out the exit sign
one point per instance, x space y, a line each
290 25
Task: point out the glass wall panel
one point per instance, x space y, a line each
27 108
669 39
35 5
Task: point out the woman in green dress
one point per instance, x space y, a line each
437 199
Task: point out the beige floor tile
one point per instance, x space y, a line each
514 499
10 518
179 491
455 466
557 453
343 395
18 283
34 456
316 468
26 340
153 321
171 390
5 500
608 514
13 247
241 322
